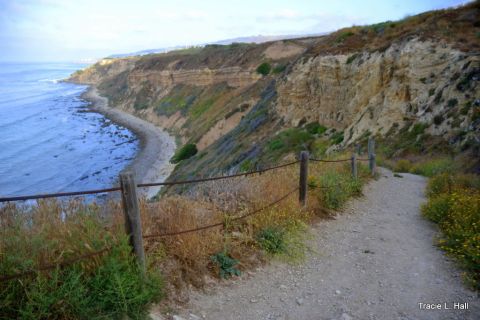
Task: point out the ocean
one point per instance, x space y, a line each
49 139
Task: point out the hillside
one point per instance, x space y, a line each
411 83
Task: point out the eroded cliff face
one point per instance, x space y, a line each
386 80
376 92
103 70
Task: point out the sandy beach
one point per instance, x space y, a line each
151 164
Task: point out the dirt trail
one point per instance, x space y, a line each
376 260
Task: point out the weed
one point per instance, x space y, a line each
226 264
431 92
272 240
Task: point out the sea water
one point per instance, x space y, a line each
50 141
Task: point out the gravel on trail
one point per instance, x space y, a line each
375 260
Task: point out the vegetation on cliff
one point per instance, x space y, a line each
238 103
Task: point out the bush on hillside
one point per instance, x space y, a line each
264 68
185 152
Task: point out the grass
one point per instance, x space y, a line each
338 189
106 286
430 168
454 203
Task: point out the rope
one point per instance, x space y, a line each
321 160
79 193
364 159
54 266
61 194
221 223
245 174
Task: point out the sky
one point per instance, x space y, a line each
75 30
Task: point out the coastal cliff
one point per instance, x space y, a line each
413 81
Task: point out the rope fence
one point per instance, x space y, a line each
153 184
128 189
254 212
244 174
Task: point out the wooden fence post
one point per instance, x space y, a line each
354 166
371 146
303 177
133 223
371 155
372 164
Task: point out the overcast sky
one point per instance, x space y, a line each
71 30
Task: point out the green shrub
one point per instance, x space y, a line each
446 182
337 188
431 92
452 103
226 265
434 167
336 138
319 147
276 145
315 128
292 139
437 208
185 152
272 240
114 289
466 108
246 165
403 165
454 203
264 68
438 119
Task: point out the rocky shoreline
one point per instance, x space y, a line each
151 164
